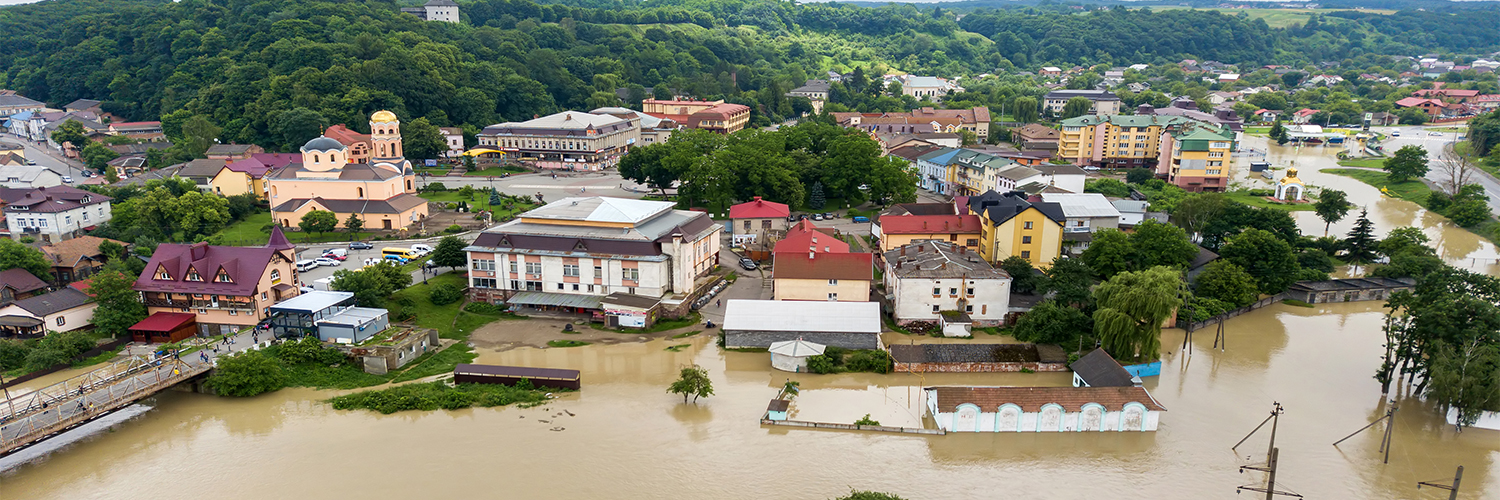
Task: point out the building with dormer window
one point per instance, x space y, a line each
225 288
54 213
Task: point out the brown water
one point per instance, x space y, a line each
629 439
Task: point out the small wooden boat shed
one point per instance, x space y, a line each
509 375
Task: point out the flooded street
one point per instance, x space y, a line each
629 439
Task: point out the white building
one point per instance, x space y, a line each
1132 212
454 138
435 10
64 310
930 87
570 140
1086 213
791 355
925 279
28 177
572 253
1069 178
1043 409
53 214
762 323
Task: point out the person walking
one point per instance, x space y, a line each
718 302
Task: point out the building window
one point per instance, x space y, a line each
515 284
534 268
559 286
484 265
193 276
1026 254
598 272
632 275
969 291
971 242
934 308
1216 164
232 312
484 282
275 276
1027 225
61 320
747 225
969 309
833 282
512 267
591 288
575 287
765 224
203 311
833 297
937 291
570 270
264 295
1025 240
953 291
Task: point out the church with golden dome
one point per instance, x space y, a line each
1290 188
380 190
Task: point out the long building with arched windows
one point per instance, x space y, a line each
380 192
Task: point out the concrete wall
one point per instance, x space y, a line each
914 299
1343 295
818 290
788 364
740 338
980 367
1052 418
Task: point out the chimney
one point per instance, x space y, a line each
924 224
903 251
198 251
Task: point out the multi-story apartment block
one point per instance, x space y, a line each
54 213
1115 141
924 279
1197 158
715 116
585 255
1012 225
571 140
226 288
1103 102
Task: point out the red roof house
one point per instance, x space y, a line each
805 236
759 209
164 327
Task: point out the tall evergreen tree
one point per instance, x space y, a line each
815 199
1359 246
1278 133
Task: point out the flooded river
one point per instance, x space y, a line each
627 438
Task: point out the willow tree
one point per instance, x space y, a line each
1132 308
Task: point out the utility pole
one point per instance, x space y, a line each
1221 339
1452 489
1385 440
1270 470
1273 419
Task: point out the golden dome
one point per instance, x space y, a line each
383 116
1291 176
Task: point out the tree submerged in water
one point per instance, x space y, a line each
693 381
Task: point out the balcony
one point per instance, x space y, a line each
198 304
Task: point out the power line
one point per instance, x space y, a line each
1452 489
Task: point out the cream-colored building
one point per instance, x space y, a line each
822 275
570 140
382 193
226 288
64 310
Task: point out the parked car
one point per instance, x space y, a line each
1091 168
360 245
306 289
747 264
306 265
1439 134
421 249
338 254
325 261
829 216
817 217
67 179
861 218
1395 133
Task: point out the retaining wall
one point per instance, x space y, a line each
852 427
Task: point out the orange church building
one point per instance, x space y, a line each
380 191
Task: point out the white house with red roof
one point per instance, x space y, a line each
757 221
1304 115
53 213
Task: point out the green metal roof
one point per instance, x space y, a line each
1125 120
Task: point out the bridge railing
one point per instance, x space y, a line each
20 405
107 394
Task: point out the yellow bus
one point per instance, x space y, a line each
399 254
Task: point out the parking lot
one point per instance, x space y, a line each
356 258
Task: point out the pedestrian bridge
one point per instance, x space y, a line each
26 419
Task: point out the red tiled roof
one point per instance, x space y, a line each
823 266
1417 101
759 209
1031 399
346 136
928 224
1306 112
1487 98
83 286
802 236
163 322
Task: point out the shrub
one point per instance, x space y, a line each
445 293
42 358
873 360
866 420
483 308
1260 192
309 350
434 187
12 354
836 354
821 364
454 229
28 240
438 395
247 374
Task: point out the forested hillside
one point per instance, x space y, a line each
267 71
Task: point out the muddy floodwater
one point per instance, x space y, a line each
624 437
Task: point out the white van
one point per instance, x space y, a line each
306 265
341 252
421 249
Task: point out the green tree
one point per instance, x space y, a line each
443 294
1024 279
1404 239
1466 377
353 224
1332 206
1132 307
450 253
1278 133
1139 175
15 255
692 381
71 131
1409 162
1265 257
1195 212
97 156
789 390
421 140
1468 213
12 354
815 197
1075 107
1228 283
198 134
1360 246
372 284
1111 253
294 127
318 221
1107 187
1161 244
1069 280
1025 110
44 358
120 305
1049 322
247 374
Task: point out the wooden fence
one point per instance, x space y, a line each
107 346
1257 305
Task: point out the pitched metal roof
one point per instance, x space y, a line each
1032 399
1083 204
52 303
759 209
939 259
21 280
802 316
797 348
823 266
1099 369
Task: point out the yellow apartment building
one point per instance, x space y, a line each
1012 225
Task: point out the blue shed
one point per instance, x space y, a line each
777 410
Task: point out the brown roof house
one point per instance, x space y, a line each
64 310
1034 136
17 283
816 274
1043 409
76 259
228 288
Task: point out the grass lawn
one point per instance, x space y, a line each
1262 202
1413 191
1261 131
1278 18
1364 163
497 171
1447 129
248 232
567 343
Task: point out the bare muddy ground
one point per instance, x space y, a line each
507 335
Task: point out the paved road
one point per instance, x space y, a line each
608 183
1436 146
45 156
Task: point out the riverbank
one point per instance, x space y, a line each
1415 191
